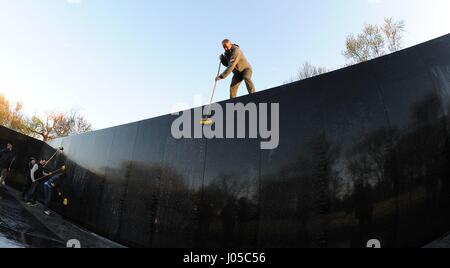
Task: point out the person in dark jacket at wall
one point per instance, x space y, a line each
37 172
236 63
6 161
28 181
49 187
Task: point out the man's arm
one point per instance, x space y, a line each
33 170
224 60
233 62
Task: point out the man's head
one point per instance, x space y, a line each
43 162
9 146
227 45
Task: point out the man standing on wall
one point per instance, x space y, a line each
6 161
236 63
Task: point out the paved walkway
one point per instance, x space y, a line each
443 242
24 226
9 243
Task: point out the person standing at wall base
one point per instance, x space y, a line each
6 161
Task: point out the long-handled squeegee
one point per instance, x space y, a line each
207 121
60 149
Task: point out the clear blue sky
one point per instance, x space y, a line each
119 61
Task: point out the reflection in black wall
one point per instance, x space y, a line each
364 154
24 148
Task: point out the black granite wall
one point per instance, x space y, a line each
364 153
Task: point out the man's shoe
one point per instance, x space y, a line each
47 212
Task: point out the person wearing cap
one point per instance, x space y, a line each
37 172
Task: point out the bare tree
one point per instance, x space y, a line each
4 110
374 41
11 117
367 45
17 119
40 128
57 124
52 125
77 124
393 31
306 71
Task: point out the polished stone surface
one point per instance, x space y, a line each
23 226
9 243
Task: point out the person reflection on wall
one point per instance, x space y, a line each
363 206
242 220
229 215
6 161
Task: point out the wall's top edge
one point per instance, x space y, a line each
345 69
15 133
